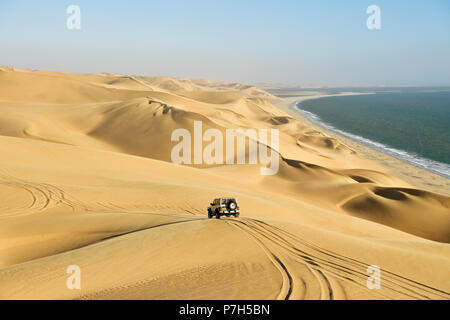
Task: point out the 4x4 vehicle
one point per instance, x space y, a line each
223 207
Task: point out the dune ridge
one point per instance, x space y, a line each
86 178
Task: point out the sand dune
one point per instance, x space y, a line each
86 179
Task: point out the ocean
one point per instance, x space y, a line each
411 126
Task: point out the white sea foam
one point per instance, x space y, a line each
437 167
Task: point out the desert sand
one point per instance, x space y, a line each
86 179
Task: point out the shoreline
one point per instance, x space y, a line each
414 175
391 151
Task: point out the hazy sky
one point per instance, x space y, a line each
293 42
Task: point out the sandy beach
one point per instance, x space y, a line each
414 175
87 180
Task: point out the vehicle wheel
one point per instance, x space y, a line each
237 215
210 215
217 215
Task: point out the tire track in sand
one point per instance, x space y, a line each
326 267
287 281
336 264
289 263
42 196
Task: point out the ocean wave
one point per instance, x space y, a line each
437 167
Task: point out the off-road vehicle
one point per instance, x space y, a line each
223 207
